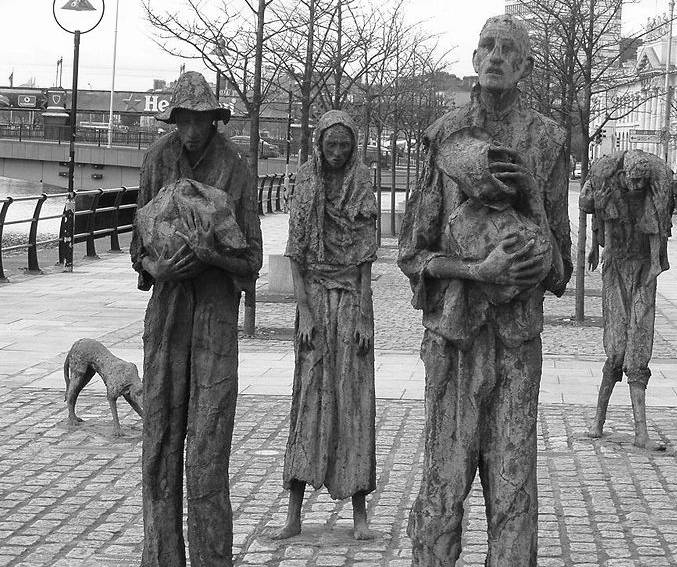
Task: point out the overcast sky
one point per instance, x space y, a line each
31 42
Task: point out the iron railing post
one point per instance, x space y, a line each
115 221
3 215
269 199
33 266
91 225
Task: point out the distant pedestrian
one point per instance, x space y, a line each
331 245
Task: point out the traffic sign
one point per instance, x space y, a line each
645 136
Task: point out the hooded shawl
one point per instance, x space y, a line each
332 230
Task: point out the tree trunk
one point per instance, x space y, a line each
338 73
250 291
306 85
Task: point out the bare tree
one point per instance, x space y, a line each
228 38
300 53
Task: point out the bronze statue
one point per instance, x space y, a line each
630 195
331 245
88 357
190 334
485 233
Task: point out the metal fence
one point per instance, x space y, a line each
61 134
104 213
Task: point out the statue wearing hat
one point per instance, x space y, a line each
196 242
485 234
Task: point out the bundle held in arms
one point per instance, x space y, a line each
493 209
167 214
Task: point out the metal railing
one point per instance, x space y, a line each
102 213
271 192
61 134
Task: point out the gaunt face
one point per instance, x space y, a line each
337 146
500 60
194 128
638 183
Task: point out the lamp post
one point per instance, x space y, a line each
75 17
112 84
668 88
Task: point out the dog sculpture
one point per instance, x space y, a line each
88 357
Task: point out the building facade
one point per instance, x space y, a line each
638 109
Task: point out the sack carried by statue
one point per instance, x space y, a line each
493 211
159 221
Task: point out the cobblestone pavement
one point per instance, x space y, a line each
72 495
400 328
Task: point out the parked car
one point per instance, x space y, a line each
266 150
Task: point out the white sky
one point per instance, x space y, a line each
31 42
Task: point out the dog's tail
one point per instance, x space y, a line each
66 375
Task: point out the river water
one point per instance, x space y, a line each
24 209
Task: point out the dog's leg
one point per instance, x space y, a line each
79 379
117 430
134 403
72 393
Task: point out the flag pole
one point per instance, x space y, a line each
112 86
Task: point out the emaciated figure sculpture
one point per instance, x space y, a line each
630 195
190 334
332 244
485 233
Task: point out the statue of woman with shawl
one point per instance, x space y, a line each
331 245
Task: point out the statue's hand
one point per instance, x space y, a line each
508 265
604 195
306 329
593 259
363 335
183 265
200 236
650 273
512 171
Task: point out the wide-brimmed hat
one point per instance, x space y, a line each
192 92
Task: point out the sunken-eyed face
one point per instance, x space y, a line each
337 146
194 128
501 59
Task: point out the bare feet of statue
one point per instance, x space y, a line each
289 530
293 525
362 531
595 430
643 442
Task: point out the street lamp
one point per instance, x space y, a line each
112 84
75 17
668 88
